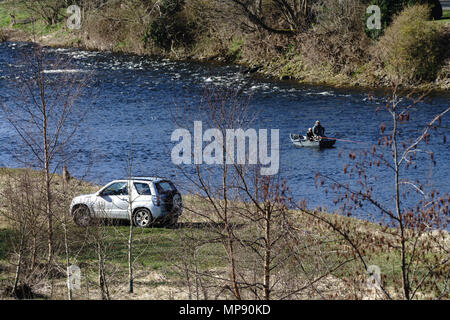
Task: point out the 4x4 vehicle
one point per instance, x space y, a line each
151 200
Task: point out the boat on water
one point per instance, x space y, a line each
302 141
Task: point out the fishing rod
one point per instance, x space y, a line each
344 140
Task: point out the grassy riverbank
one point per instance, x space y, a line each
161 253
335 56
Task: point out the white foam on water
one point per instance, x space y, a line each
64 71
326 93
323 93
262 86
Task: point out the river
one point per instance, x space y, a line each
132 100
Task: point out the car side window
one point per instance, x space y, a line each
116 189
164 187
142 189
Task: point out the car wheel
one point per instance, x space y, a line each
142 218
177 203
82 216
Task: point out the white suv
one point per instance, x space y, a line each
150 199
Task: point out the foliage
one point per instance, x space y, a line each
2 36
234 52
411 49
278 17
389 8
172 28
435 5
337 38
51 11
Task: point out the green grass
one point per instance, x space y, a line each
39 27
154 248
161 249
445 17
6 8
446 14
234 52
4 18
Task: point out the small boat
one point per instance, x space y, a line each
302 141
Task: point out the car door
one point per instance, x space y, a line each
112 202
142 195
167 192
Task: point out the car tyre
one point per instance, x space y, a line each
142 218
82 216
177 203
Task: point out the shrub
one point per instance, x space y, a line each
234 52
435 5
337 39
171 27
389 8
2 36
115 27
411 47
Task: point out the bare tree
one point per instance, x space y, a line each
414 223
130 216
295 14
45 118
48 10
248 214
101 248
23 203
17 201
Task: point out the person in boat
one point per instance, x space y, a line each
318 130
310 135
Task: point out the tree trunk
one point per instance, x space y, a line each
66 247
229 235
130 241
104 291
48 198
19 260
404 267
232 265
267 255
33 252
130 259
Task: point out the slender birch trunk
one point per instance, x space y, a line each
404 267
267 255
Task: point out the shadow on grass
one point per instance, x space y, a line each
205 225
179 225
22 292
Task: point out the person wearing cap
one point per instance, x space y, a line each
309 134
318 130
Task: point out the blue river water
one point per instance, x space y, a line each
131 100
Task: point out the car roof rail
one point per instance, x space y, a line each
149 178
